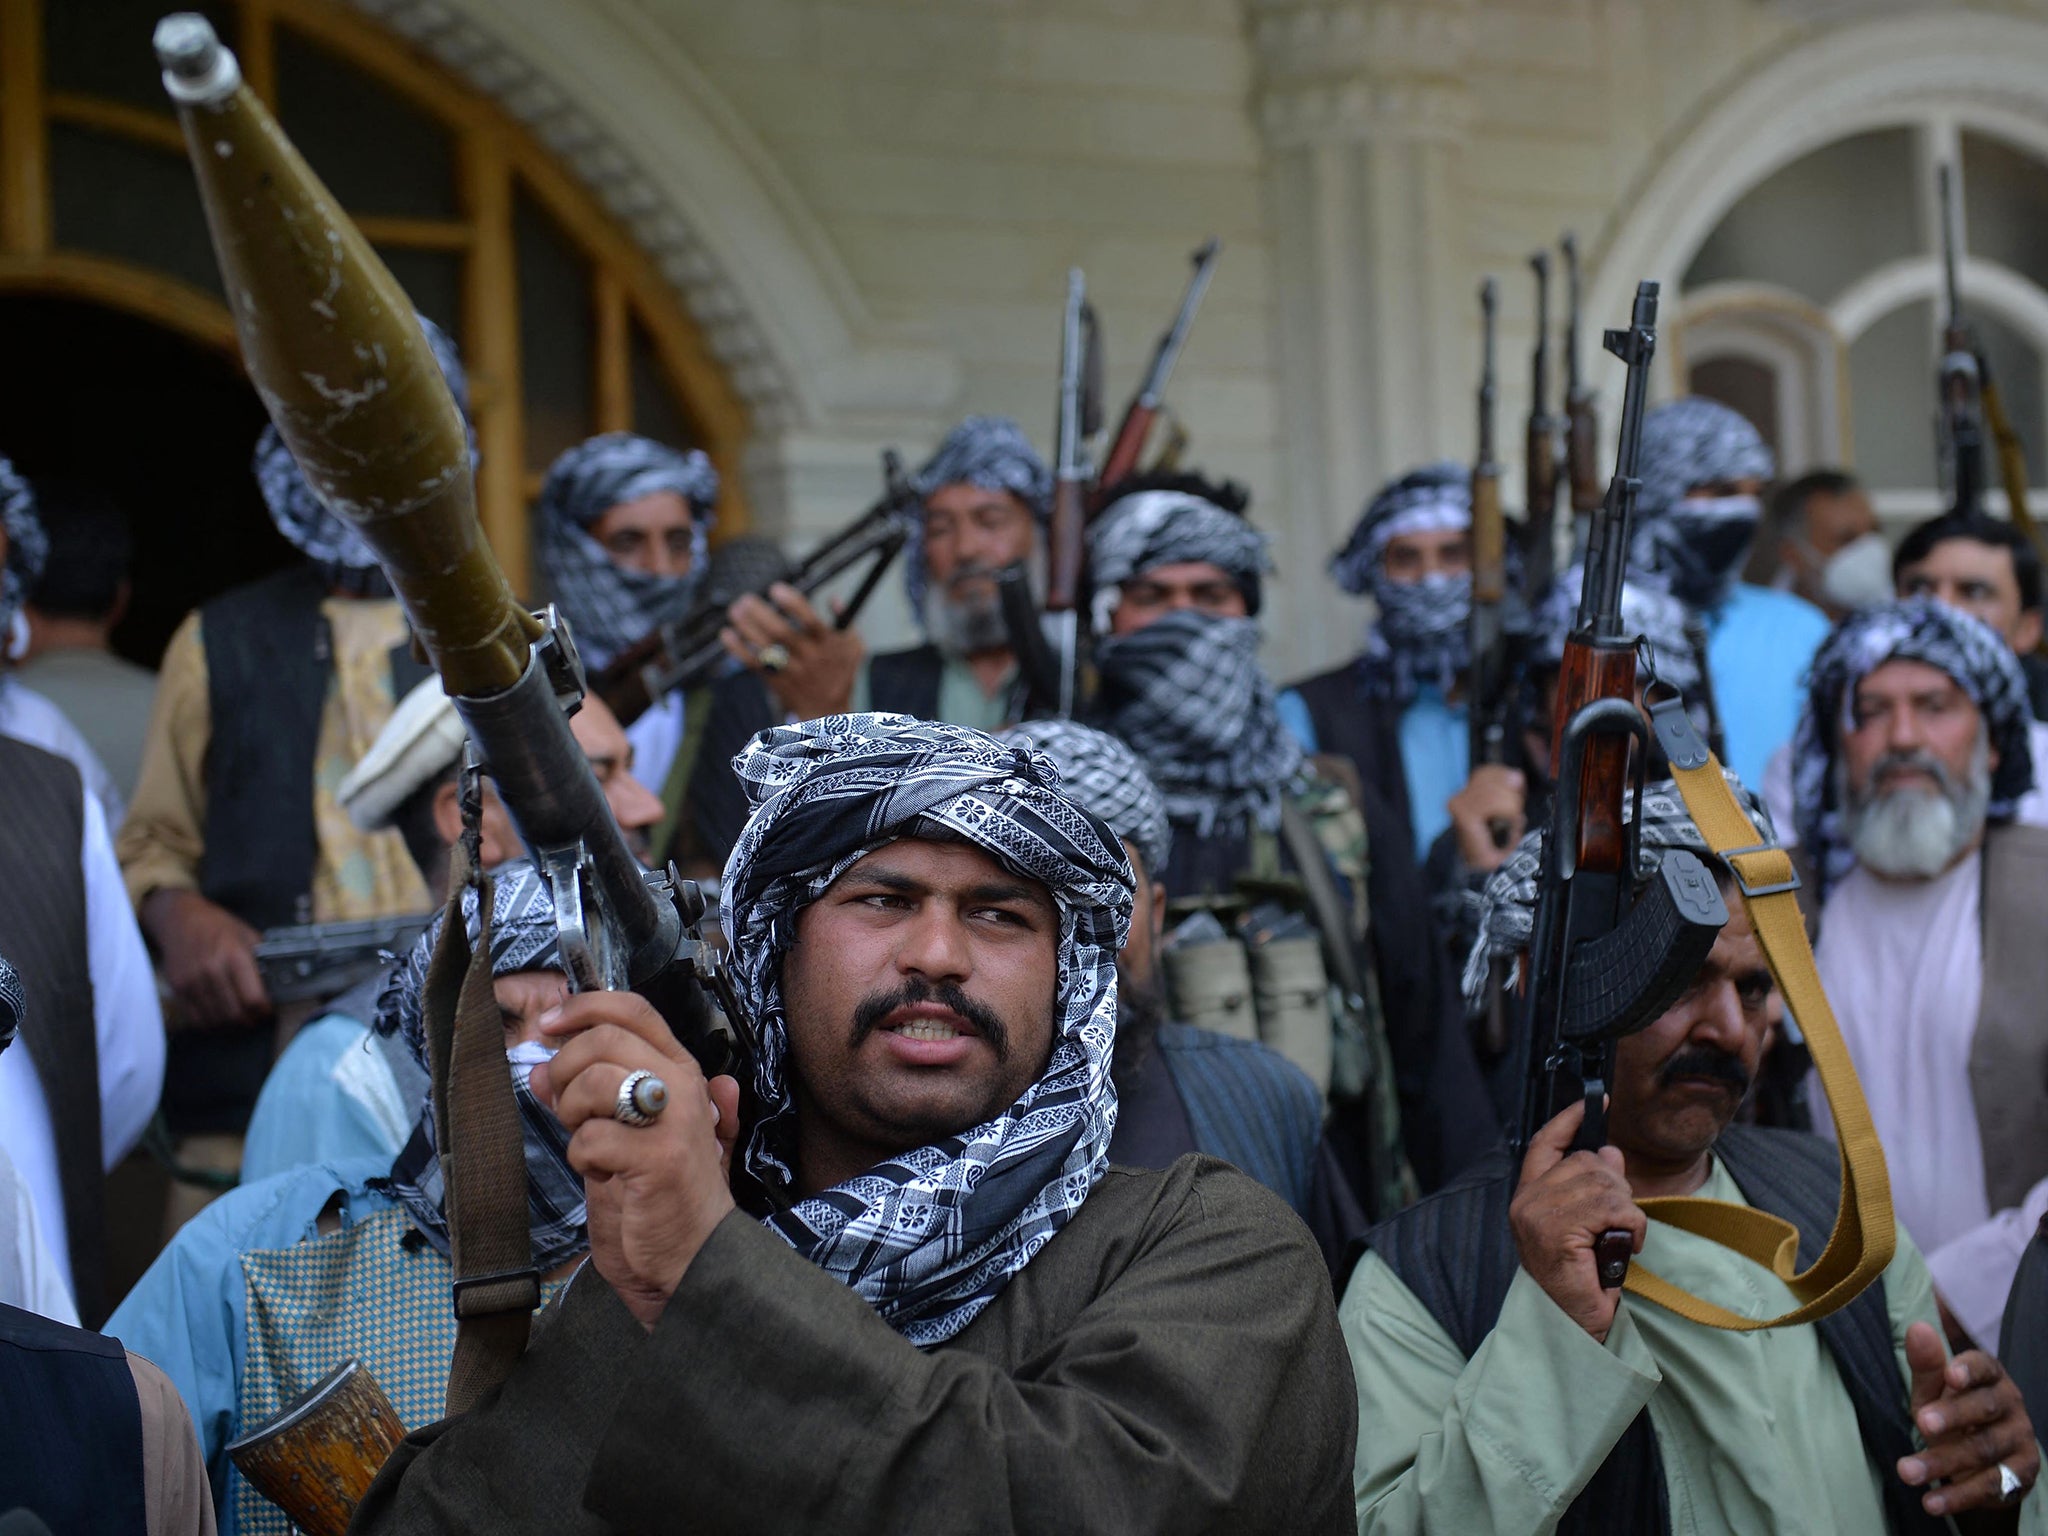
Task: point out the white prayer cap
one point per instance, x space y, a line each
421 741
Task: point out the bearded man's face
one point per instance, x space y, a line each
1915 771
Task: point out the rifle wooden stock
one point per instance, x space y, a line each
1132 433
1592 672
1582 451
1066 546
317 1459
1489 541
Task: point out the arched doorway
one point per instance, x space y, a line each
164 425
566 326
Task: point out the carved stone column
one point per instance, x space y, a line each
1364 112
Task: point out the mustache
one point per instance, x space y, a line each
1902 762
877 1006
1704 1061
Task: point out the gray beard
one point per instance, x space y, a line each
1909 834
965 628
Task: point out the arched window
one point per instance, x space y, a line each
566 326
1816 304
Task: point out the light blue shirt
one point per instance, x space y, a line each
1436 757
332 1097
1759 645
188 1314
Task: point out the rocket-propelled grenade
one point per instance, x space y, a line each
343 368
337 354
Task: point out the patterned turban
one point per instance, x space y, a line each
929 1237
1645 610
28 546
1423 631
1145 529
522 939
1695 552
13 1003
1104 777
1964 647
302 517
1507 904
608 606
991 452
1188 693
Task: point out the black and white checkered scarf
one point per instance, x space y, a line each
1187 692
1145 529
1506 915
1647 611
928 1238
990 452
1105 778
1966 648
522 939
1686 443
303 518
608 606
28 546
1422 633
13 1003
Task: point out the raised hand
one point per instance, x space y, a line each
1973 1420
807 663
1565 1201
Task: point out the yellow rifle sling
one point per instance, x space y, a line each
1860 1246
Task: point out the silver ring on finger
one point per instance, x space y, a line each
2011 1488
773 656
642 1098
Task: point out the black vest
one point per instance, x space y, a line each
269 664
1350 723
73 1450
906 682
43 932
1455 1251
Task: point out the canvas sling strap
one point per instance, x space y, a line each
1860 1246
483 1156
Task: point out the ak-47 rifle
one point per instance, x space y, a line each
1128 446
317 961
1048 647
332 346
1960 426
1604 963
1582 415
1540 455
687 653
1490 686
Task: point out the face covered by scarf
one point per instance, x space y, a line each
331 544
1507 905
991 453
1423 631
1187 691
28 548
608 606
522 939
1966 648
929 1237
1694 546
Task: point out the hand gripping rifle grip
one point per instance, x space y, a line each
1619 982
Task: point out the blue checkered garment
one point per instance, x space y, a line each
1506 906
28 547
13 1003
1422 633
608 606
523 938
1146 529
1104 777
1964 647
928 1238
1187 692
991 452
1689 442
302 517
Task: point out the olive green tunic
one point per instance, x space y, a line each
1169 1362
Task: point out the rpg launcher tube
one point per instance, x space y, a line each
332 345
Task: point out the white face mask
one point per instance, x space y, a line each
1859 574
